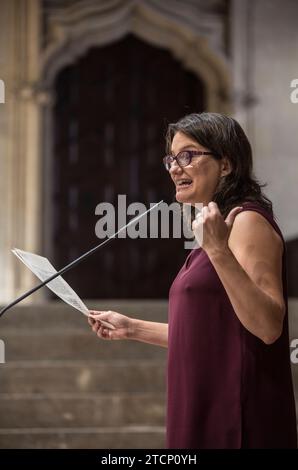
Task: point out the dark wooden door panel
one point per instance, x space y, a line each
111 114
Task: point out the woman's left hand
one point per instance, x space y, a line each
212 230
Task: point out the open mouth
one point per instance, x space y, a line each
183 183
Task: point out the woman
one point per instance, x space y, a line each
229 377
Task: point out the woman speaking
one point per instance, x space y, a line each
229 380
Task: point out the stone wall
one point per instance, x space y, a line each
250 73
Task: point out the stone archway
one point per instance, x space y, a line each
79 27
45 35
193 37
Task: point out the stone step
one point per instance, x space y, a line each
69 344
57 314
19 410
76 390
126 437
83 376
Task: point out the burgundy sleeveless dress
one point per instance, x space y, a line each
226 388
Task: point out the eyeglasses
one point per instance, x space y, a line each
183 158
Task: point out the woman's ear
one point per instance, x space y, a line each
226 167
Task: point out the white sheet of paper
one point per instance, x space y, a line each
43 269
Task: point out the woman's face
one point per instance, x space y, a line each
202 174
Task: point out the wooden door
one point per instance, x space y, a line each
111 113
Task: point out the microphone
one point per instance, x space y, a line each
76 261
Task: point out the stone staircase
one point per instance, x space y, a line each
62 387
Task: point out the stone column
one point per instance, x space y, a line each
242 63
20 177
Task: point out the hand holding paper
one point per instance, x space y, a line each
43 269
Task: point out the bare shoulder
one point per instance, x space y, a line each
258 248
251 229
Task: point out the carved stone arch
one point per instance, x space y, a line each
194 37
51 34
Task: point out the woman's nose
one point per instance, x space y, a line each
175 168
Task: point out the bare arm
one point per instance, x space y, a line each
250 270
150 332
123 327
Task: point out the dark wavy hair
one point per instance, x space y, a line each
224 137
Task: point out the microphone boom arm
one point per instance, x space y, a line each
75 262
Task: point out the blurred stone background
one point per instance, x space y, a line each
89 89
